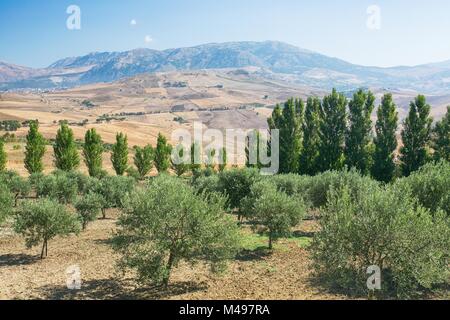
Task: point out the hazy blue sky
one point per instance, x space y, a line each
34 33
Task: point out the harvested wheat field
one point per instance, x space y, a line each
255 274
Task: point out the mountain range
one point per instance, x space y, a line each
269 59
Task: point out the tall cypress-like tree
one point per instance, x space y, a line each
289 120
178 164
162 154
441 138
119 155
311 138
196 157
34 149
65 150
358 140
332 131
416 136
222 159
3 156
385 141
143 159
93 152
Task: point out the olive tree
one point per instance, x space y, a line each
18 186
274 210
385 228
88 207
57 186
114 190
167 223
6 203
42 220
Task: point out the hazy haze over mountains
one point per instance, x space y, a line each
274 60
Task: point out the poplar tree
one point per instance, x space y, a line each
358 140
441 138
332 131
289 120
119 155
222 159
311 138
143 160
93 152
416 136
65 150
3 156
162 154
34 149
196 157
385 141
179 165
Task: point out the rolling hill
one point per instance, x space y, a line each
273 60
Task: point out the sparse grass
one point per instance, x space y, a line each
253 241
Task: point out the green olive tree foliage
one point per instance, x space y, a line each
168 223
42 220
6 203
430 185
381 227
3 156
274 210
88 208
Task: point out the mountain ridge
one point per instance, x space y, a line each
302 66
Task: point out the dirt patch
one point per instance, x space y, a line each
255 274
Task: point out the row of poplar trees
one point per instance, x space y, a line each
334 133
67 157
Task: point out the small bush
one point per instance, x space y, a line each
167 223
430 186
58 187
17 185
384 228
236 184
42 220
88 208
6 203
115 190
274 210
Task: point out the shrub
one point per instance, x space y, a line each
58 187
323 183
236 184
17 185
274 210
384 228
6 203
430 186
114 190
167 223
206 184
42 220
293 185
88 207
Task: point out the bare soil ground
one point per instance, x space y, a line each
255 274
